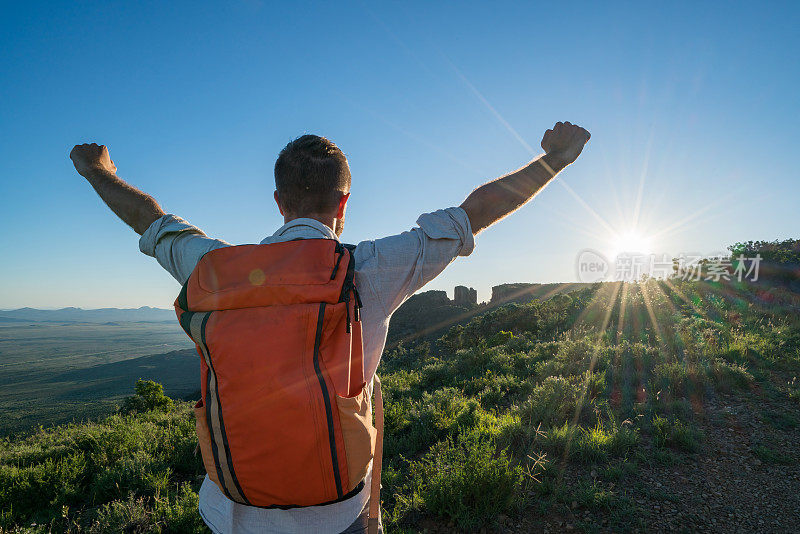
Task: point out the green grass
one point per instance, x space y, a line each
596 444
121 471
675 433
780 419
497 416
771 456
464 479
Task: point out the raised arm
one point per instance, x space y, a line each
137 209
498 198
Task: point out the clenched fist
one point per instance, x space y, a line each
91 157
565 142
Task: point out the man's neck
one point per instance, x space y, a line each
330 222
327 221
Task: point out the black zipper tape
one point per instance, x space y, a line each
328 410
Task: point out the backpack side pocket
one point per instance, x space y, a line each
358 433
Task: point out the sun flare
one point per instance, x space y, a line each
630 242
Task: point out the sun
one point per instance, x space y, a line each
630 242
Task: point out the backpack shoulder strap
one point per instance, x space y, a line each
349 280
377 460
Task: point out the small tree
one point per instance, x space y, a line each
149 396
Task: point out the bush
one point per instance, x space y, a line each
675 433
728 377
677 380
551 402
793 390
149 396
500 338
558 400
464 480
177 513
590 445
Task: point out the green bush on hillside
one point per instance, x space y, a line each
464 479
149 396
675 433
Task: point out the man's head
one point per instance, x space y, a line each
312 179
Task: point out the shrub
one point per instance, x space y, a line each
149 396
500 338
413 427
176 513
793 390
675 433
462 479
780 419
591 495
729 376
590 445
121 461
129 515
676 380
553 402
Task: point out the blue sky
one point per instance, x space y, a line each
693 113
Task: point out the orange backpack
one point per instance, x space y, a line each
285 418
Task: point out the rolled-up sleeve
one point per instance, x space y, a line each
395 267
177 245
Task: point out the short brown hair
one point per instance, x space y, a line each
311 175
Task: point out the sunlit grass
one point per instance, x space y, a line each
494 418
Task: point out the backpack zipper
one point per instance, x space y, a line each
328 410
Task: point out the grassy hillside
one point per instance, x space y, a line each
616 407
128 473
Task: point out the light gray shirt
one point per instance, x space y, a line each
388 271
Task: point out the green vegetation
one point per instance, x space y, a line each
525 410
149 396
765 454
126 473
675 433
599 380
465 480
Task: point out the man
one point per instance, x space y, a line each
312 181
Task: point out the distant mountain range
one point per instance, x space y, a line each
414 316
78 315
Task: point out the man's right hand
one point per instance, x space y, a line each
91 157
564 143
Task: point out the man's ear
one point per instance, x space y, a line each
277 201
342 206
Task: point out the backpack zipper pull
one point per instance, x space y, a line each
356 304
358 297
